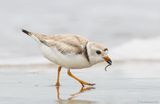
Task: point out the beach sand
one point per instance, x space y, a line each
123 83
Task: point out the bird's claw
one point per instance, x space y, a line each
91 84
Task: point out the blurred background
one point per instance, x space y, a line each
129 28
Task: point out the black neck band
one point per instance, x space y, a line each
86 52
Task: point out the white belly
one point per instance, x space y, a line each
69 61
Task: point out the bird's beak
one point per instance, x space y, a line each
108 60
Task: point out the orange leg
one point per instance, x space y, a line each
58 76
58 94
79 80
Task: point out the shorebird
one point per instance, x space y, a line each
70 51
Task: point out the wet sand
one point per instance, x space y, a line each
123 83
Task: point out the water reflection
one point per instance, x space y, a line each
71 100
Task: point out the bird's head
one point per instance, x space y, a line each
98 53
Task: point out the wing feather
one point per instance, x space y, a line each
66 44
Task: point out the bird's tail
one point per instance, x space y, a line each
31 34
26 32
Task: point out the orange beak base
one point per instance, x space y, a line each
108 60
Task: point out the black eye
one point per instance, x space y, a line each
98 52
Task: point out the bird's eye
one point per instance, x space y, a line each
98 52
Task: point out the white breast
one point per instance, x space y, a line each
69 61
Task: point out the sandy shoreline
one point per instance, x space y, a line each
133 83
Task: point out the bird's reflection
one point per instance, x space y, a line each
71 99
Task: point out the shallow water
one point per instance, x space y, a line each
123 83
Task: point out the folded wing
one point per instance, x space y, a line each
66 44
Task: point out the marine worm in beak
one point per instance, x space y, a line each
106 67
108 60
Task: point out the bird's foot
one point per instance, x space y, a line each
91 84
86 83
57 84
86 89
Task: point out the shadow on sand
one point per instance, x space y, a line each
71 100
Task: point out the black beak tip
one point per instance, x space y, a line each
110 62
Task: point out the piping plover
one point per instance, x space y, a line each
70 51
